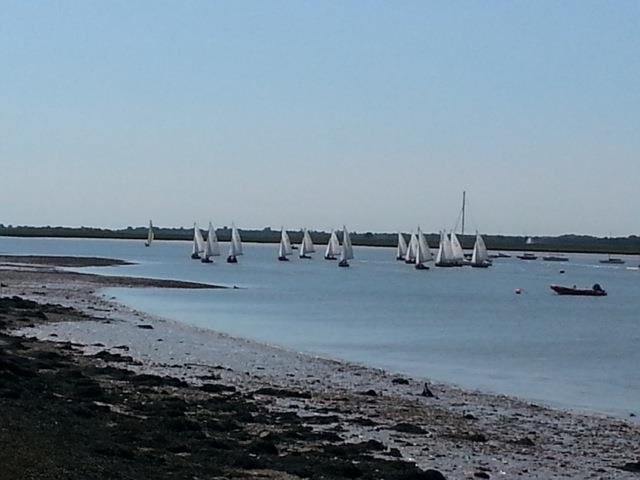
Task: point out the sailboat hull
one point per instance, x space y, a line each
480 265
307 257
421 266
283 259
330 257
232 259
206 260
343 263
195 256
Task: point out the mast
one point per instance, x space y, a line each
464 201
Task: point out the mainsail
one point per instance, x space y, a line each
236 241
306 246
410 257
480 255
285 244
458 254
402 247
347 248
333 246
150 235
212 242
198 242
427 256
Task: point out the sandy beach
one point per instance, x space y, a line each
90 388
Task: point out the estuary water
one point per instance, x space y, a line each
461 326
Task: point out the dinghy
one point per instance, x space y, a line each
401 253
235 246
150 235
410 257
480 256
423 253
306 246
198 243
285 246
346 249
426 254
595 291
445 257
333 247
211 248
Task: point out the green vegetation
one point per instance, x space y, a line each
563 243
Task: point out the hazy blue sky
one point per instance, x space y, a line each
373 114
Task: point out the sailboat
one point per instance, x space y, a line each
346 249
285 246
456 248
480 256
198 243
150 235
211 248
445 257
306 246
426 254
402 247
410 257
235 245
421 254
333 247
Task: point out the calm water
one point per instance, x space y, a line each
463 326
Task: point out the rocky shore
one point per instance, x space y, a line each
92 389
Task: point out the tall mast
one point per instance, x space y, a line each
464 201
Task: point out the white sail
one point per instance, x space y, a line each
421 252
236 240
208 251
458 254
333 246
411 248
424 247
198 241
285 244
445 255
150 235
347 248
212 242
480 255
306 246
402 246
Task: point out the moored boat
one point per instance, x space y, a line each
527 256
595 291
555 258
612 260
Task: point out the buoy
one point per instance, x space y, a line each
561 271
518 291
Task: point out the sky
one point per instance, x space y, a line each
316 114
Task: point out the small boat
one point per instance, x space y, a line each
527 256
456 248
555 258
306 246
410 256
346 249
445 256
422 254
198 243
499 255
150 235
425 251
211 248
595 291
333 247
480 256
402 247
612 260
285 246
235 246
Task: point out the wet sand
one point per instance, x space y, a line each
248 410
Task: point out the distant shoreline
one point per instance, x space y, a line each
561 244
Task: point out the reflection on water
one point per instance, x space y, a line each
464 326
